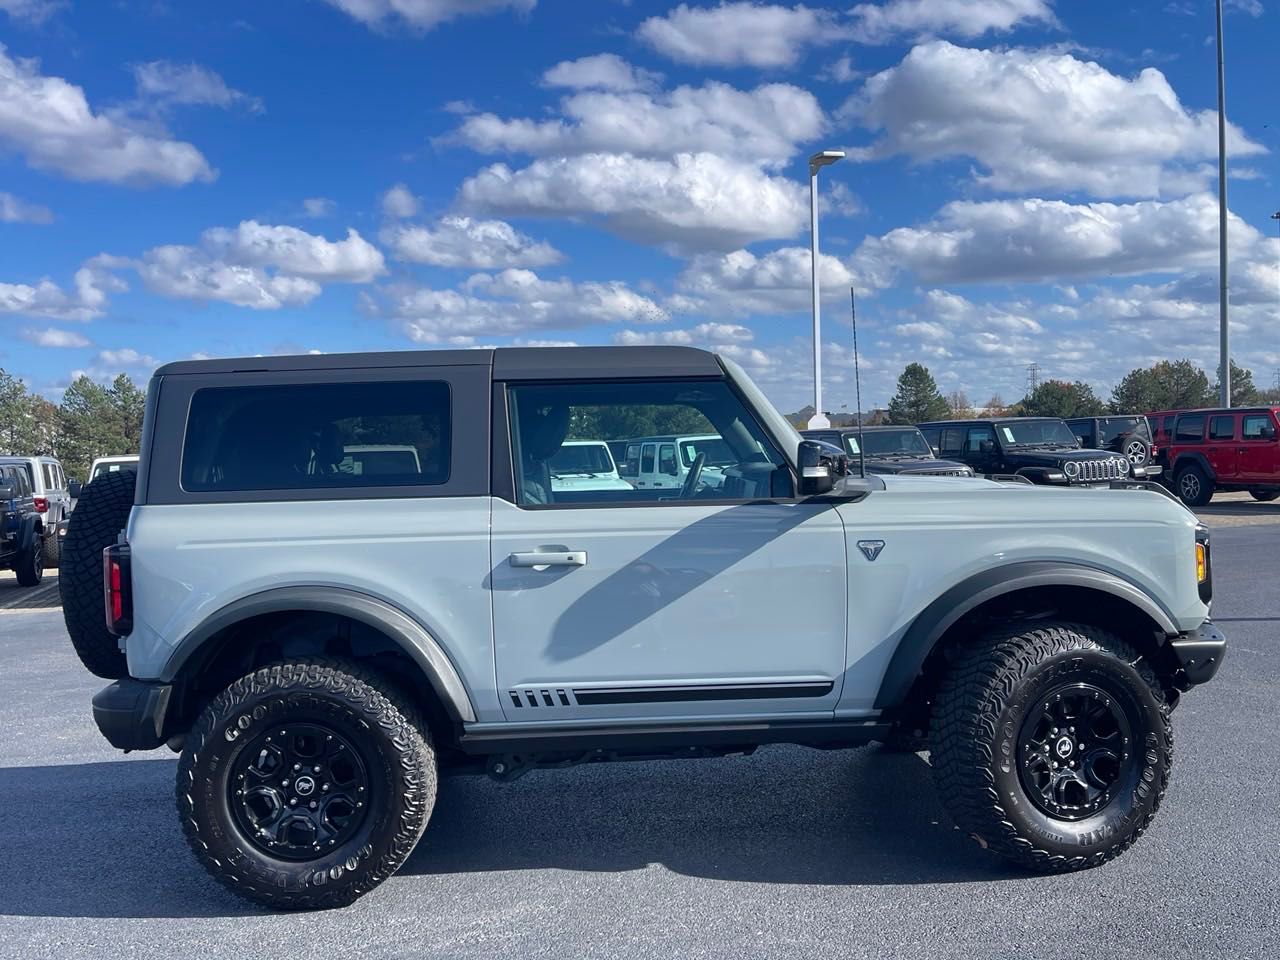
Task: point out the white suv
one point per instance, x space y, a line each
52 494
319 643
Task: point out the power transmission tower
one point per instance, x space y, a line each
1033 377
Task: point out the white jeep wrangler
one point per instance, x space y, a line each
320 642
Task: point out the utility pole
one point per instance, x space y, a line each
1224 335
1033 377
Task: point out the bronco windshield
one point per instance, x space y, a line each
1022 433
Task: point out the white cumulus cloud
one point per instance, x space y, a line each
691 202
510 303
49 121
399 201
258 265
739 34
163 84
1038 240
53 337
16 210
763 125
85 300
423 15
882 22
456 241
604 71
1037 119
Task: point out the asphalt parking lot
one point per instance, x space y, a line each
790 853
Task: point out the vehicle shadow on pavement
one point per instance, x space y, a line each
786 815
100 840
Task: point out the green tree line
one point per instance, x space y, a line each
1166 385
93 420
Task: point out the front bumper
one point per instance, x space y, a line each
131 713
1199 654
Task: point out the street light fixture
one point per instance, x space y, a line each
819 419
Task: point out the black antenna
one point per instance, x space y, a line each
857 383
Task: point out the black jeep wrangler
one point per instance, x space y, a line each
1127 434
21 526
1040 449
890 449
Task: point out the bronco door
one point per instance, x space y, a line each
680 602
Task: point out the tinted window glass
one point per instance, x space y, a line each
1084 430
1222 428
49 483
1255 426
631 466
1191 428
317 436
952 441
1168 424
976 437
933 436
1114 428
667 459
549 419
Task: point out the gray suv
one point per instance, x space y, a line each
320 644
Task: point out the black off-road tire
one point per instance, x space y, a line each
1264 496
981 708
51 547
29 566
356 704
100 514
1193 486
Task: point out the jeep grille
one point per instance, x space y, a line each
1096 471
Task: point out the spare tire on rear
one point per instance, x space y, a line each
100 514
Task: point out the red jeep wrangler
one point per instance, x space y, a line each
1211 450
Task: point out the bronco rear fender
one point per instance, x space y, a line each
937 618
394 623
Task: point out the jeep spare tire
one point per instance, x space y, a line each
100 515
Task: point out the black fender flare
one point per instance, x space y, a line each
938 617
393 622
1196 457
30 532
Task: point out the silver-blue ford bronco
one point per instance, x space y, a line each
321 635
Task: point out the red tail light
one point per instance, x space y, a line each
117 589
42 504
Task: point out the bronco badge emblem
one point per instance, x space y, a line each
871 548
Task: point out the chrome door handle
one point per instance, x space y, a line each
539 559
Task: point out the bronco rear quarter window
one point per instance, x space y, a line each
317 436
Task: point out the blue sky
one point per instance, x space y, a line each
1026 181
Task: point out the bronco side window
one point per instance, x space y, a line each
733 457
317 436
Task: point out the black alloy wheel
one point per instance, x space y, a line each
1074 750
298 790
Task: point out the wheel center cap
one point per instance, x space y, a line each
1064 746
304 786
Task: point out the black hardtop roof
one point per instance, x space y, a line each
1254 408
961 423
869 428
507 363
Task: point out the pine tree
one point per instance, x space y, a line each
918 399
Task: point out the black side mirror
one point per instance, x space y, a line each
986 446
8 490
817 468
1268 432
73 488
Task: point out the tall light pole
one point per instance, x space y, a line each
1224 336
819 419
